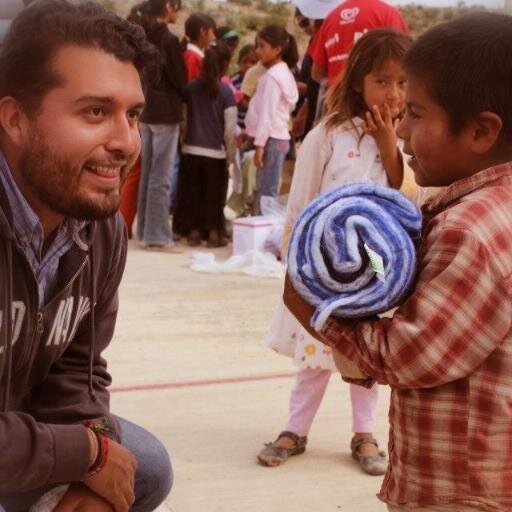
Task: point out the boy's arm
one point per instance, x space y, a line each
457 315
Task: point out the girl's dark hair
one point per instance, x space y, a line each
215 64
195 22
226 34
277 37
148 11
466 65
344 97
247 49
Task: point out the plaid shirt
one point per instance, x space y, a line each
447 353
30 237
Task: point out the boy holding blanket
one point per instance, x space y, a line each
447 351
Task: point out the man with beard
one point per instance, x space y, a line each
70 99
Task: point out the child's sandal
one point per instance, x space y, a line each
273 455
371 464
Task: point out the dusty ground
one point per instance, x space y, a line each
188 364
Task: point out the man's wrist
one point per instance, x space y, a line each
94 447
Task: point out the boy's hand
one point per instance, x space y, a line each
79 498
258 157
382 128
300 309
116 481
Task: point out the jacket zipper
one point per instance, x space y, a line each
39 324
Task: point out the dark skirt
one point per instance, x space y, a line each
202 187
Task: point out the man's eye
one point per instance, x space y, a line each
134 114
96 111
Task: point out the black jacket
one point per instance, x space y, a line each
164 95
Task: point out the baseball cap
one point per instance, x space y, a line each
316 9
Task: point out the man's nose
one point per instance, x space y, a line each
124 136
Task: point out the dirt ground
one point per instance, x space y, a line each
189 365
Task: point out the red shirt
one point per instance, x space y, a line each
447 353
193 61
344 26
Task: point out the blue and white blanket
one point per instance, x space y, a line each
352 251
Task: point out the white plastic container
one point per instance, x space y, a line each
250 233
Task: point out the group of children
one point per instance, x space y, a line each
217 116
446 352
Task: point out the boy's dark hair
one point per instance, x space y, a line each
39 31
344 97
277 37
195 22
466 64
215 64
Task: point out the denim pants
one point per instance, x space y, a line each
158 155
153 479
268 176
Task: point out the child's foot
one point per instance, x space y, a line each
365 450
215 239
286 445
194 238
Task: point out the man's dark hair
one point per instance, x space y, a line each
467 67
39 31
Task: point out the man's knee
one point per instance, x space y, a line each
154 477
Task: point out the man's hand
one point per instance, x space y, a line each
258 157
115 482
79 498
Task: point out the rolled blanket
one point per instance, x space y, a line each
352 251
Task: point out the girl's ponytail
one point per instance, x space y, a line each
277 36
290 53
215 63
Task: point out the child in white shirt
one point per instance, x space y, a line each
270 108
355 142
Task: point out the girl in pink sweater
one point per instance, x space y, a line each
270 108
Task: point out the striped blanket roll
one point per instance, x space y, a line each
352 251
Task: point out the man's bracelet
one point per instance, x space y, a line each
93 441
101 459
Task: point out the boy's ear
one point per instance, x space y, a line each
486 131
13 120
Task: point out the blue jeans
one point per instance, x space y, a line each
153 479
158 155
268 176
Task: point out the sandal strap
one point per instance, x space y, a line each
290 435
357 442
